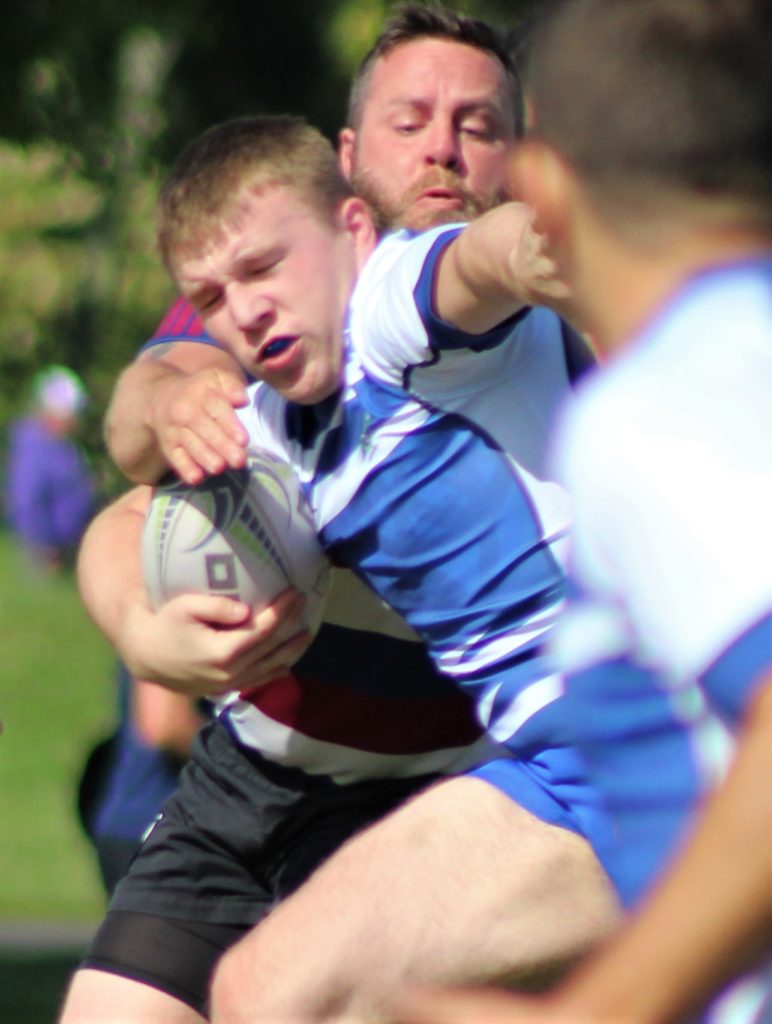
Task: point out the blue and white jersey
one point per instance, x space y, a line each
511 382
668 455
410 479
364 701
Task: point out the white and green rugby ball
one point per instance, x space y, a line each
246 533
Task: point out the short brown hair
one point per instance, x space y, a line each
411 21
246 152
673 93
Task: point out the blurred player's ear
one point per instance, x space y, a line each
540 178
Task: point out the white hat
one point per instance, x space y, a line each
60 391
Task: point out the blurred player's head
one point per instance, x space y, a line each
260 232
433 109
652 126
673 94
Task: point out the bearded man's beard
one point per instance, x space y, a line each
390 213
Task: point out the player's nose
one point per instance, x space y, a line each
251 307
442 144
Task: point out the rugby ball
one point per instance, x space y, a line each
246 533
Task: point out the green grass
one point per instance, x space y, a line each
56 699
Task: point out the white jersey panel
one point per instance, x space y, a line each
514 389
669 459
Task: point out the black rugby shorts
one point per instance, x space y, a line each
239 835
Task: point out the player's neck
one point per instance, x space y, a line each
641 280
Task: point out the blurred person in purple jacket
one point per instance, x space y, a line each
49 491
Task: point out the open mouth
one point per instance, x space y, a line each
276 347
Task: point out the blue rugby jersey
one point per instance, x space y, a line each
414 490
668 455
366 700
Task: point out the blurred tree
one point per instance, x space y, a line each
64 66
96 99
77 223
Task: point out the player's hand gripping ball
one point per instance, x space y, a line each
247 533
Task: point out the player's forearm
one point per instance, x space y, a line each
129 430
495 267
109 570
473 286
711 916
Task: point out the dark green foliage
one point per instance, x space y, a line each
111 92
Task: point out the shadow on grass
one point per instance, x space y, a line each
32 985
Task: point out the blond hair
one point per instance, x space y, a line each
253 153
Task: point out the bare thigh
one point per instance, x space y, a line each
460 884
96 997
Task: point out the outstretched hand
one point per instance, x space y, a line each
196 426
535 270
499 264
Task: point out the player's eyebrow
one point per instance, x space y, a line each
256 253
